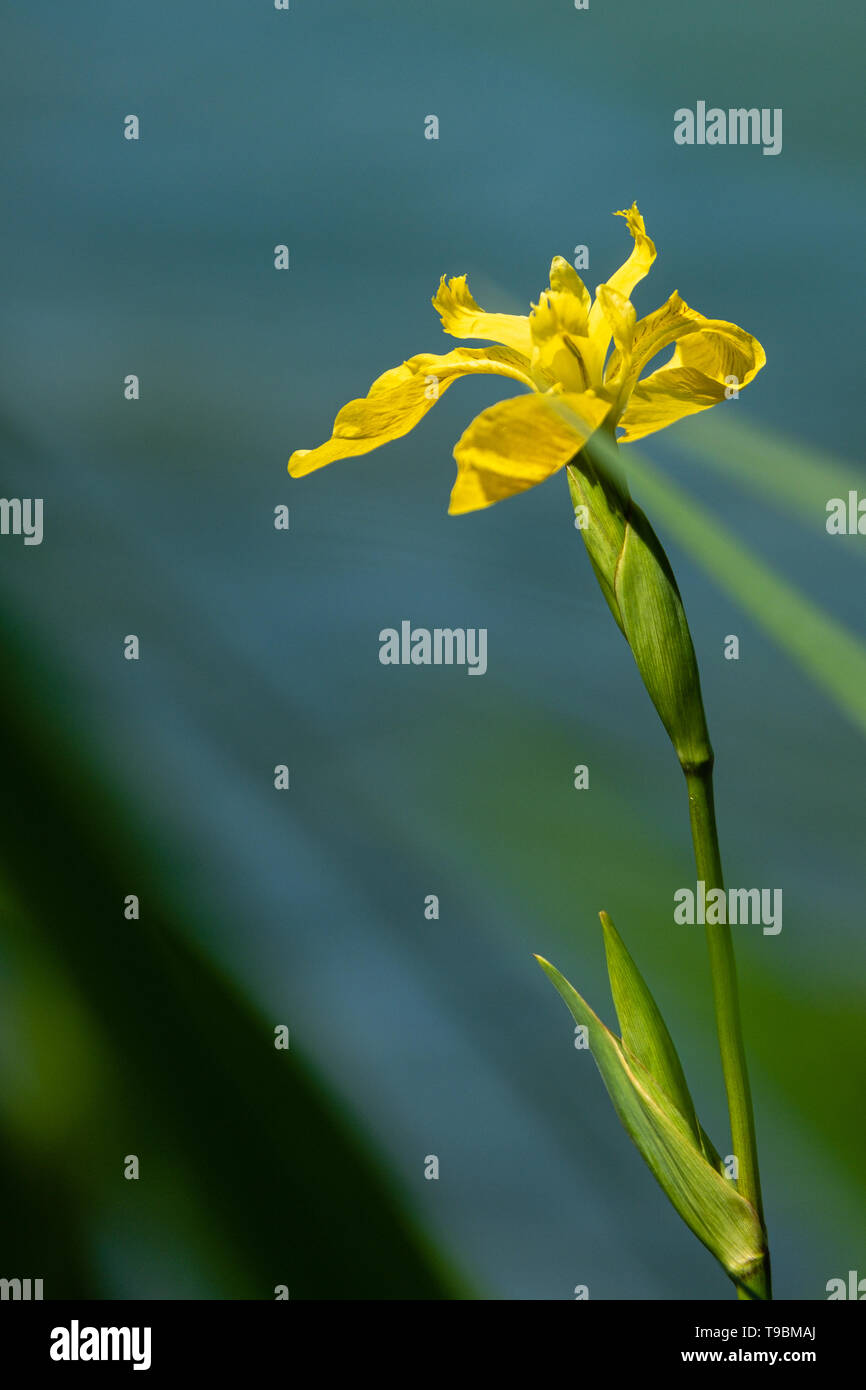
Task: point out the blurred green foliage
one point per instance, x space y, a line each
121 1037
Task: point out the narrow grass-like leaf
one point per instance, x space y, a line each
795 478
834 657
822 646
708 1203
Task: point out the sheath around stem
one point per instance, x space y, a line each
639 585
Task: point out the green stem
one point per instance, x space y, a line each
727 1005
639 585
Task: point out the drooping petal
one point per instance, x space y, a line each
666 397
726 345
711 359
722 351
463 318
622 282
401 397
520 442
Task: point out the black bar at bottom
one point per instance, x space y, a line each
159 1339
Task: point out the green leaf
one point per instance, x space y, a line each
644 1032
824 648
155 1036
796 477
708 1203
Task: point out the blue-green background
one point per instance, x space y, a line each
258 647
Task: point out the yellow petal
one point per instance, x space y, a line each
401 397
666 397
565 280
721 350
620 315
642 256
463 318
557 356
558 324
735 350
710 356
521 442
622 282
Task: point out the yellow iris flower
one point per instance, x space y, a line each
559 352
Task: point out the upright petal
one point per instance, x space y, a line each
401 397
621 317
520 442
463 318
559 324
622 282
565 280
642 256
559 343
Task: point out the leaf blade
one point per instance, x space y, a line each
644 1032
708 1203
